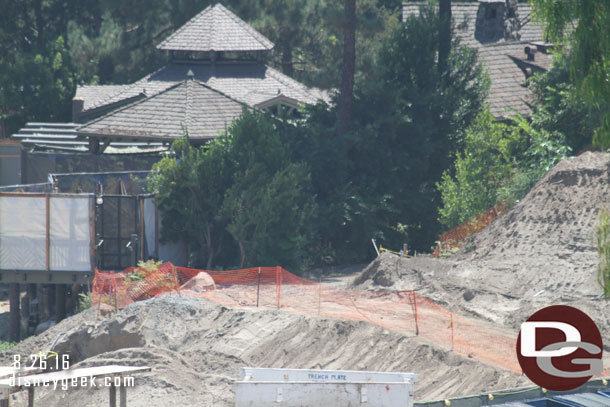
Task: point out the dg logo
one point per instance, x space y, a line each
559 348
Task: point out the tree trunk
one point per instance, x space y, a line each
39 24
349 65
287 64
444 34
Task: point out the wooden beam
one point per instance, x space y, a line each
92 243
14 323
122 394
48 231
60 302
156 230
30 397
112 395
141 227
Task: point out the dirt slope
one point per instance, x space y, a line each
541 252
196 348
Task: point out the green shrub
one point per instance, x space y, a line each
602 234
5 346
84 301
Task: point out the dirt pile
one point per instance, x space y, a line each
196 348
541 252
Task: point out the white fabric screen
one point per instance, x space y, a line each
149 225
23 236
23 233
70 234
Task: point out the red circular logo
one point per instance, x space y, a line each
559 348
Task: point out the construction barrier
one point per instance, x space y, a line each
403 311
456 237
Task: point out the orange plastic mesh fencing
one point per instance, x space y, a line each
457 236
273 287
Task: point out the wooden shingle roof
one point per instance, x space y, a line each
216 29
187 104
251 83
504 60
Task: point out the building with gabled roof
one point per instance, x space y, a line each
216 29
510 45
166 115
225 60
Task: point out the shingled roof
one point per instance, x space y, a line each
189 103
249 83
464 15
216 29
154 107
504 59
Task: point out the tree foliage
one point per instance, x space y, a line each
499 163
36 79
412 118
581 27
239 200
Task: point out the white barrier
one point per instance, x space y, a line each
303 388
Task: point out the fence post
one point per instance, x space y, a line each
278 285
320 294
452 342
258 286
416 321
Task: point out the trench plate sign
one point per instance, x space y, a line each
560 348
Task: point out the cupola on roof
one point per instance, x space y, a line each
216 29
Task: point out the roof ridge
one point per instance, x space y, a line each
205 85
184 26
288 81
209 25
125 89
129 105
246 26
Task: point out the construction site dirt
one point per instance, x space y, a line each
470 306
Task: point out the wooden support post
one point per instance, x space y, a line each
122 394
452 340
31 396
112 395
141 228
46 303
258 287
60 302
4 403
415 312
25 315
278 285
13 332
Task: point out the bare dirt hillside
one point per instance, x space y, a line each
541 252
196 348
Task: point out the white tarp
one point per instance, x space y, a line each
149 226
168 251
23 233
70 234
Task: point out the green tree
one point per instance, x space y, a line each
36 80
190 190
559 108
481 169
238 197
499 163
581 27
411 120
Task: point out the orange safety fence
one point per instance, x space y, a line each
402 311
457 236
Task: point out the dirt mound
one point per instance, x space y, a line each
202 282
541 252
196 348
546 241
